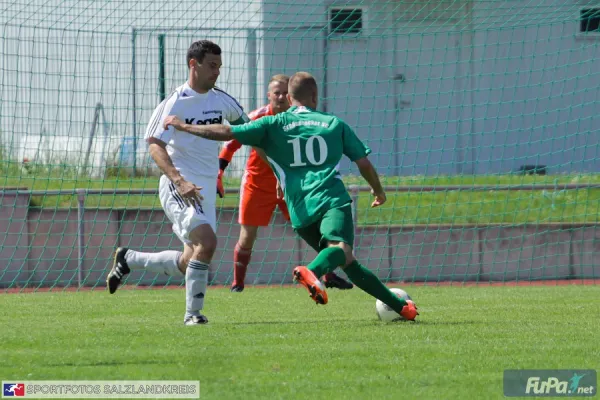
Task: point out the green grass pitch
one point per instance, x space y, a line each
274 343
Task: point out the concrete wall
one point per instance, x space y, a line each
489 85
532 75
40 248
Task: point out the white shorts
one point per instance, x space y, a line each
184 218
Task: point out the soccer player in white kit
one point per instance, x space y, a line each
188 164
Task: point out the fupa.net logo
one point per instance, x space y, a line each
553 386
550 383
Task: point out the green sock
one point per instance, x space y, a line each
370 283
327 260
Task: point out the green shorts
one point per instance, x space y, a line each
337 225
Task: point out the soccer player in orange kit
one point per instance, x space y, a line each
258 193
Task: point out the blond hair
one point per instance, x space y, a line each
281 78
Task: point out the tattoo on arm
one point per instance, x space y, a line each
220 133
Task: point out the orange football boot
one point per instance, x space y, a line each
409 311
310 281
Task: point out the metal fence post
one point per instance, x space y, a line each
161 67
80 234
252 69
133 99
354 190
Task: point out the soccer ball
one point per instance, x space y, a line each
385 313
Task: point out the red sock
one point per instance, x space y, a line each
241 259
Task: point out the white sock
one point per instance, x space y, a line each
165 262
196 278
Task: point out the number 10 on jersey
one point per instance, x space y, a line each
309 151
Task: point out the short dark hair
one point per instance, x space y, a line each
302 86
200 48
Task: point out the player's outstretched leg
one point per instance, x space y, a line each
309 280
118 271
332 280
127 260
370 283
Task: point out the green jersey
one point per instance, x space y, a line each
304 148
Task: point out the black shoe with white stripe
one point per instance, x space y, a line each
118 271
196 320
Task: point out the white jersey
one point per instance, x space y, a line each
196 159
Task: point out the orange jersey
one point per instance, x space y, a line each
258 173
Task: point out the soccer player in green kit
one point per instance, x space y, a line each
304 147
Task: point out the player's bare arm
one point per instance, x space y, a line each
217 132
367 170
188 191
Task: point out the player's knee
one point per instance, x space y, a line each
347 251
204 252
183 261
204 243
349 256
248 236
205 249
